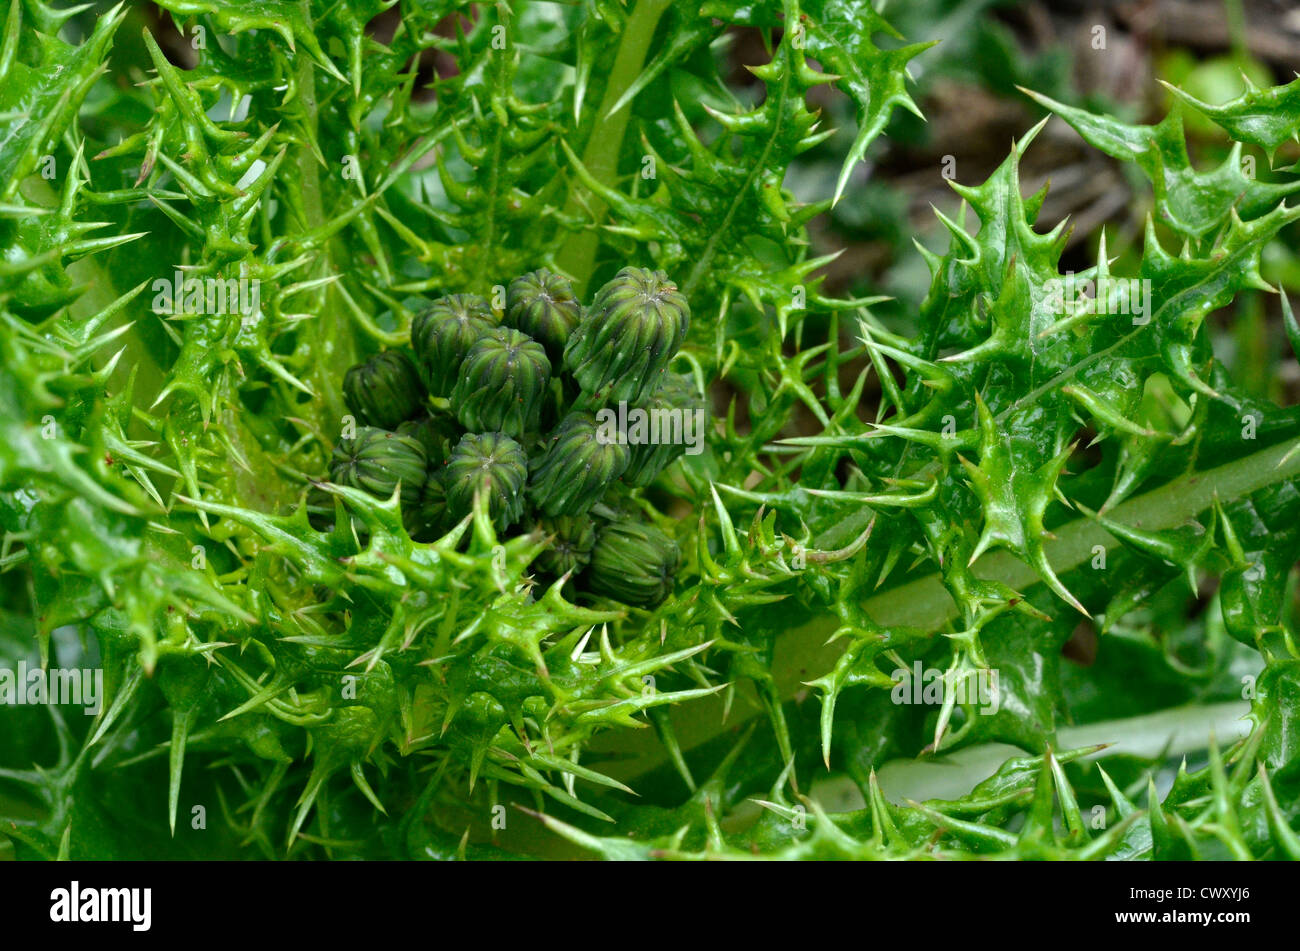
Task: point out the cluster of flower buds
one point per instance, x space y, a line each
504 407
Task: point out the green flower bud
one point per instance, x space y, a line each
493 461
376 461
542 304
635 325
443 334
383 391
576 467
437 434
632 562
502 384
672 412
430 517
569 551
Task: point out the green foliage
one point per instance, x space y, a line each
352 671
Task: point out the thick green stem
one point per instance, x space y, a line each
578 255
1173 732
334 339
802 654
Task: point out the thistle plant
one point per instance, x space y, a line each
361 587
